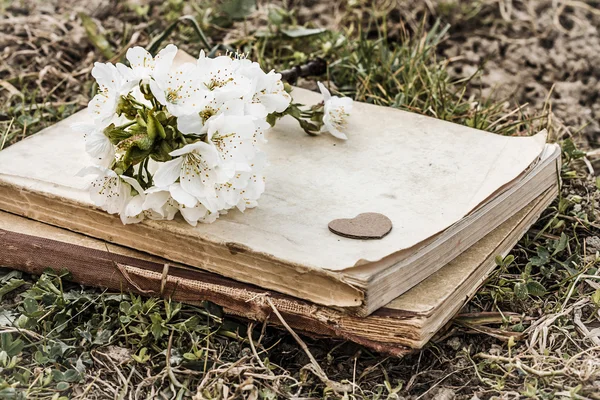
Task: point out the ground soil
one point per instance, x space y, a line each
529 51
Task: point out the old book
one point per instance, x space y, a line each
444 186
407 322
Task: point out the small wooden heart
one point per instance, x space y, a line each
363 226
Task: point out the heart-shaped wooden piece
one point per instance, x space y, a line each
363 226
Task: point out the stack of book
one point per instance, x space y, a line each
457 197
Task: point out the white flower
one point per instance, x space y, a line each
193 122
196 122
254 183
224 101
336 110
233 138
167 202
110 86
133 211
179 90
244 189
198 213
195 167
220 75
226 91
144 66
159 204
97 145
110 191
268 91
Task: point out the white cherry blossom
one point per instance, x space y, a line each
220 75
110 191
144 66
159 203
254 185
233 138
133 211
336 110
111 83
269 93
97 145
195 166
179 90
198 213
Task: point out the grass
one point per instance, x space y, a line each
531 331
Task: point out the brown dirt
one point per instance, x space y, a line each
529 50
536 50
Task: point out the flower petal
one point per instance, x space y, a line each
190 124
194 181
206 151
168 172
164 61
156 200
98 146
324 91
192 215
134 183
139 57
105 74
158 92
181 196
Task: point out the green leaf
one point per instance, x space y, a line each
31 307
26 120
156 328
10 275
154 127
10 346
543 256
535 288
238 9
10 286
520 290
527 271
276 16
141 357
596 298
569 148
71 375
561 245
498 260
97 39
303 32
